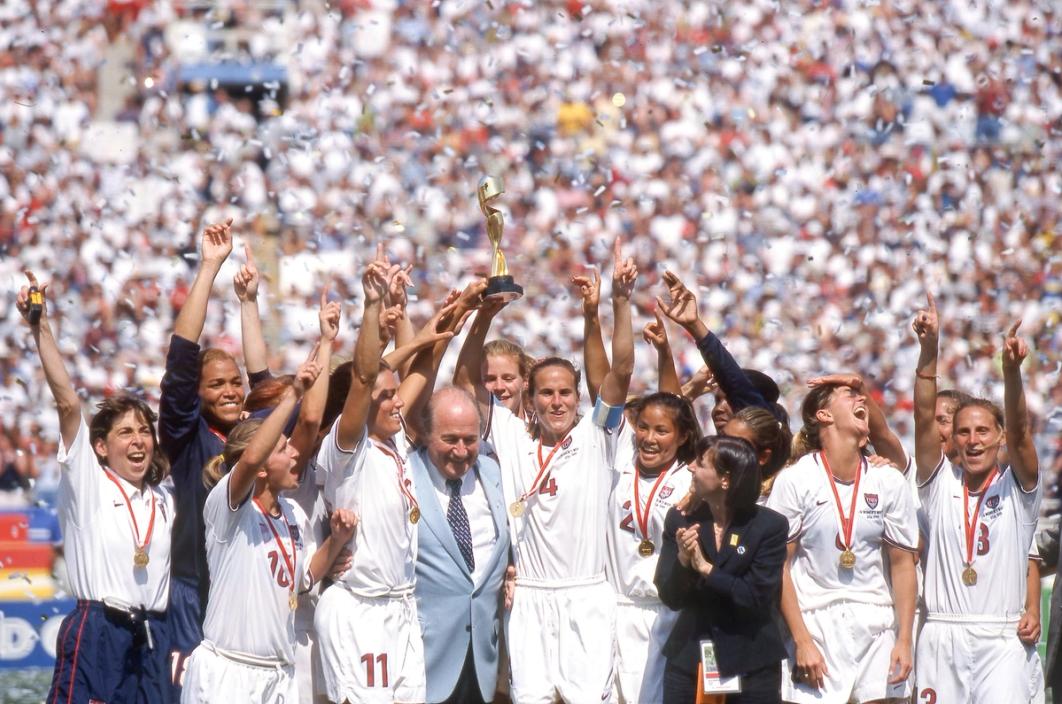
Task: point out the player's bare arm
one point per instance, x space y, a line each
928 449
67 403
1018 429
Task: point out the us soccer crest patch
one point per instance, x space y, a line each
872 500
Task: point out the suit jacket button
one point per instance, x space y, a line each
468 628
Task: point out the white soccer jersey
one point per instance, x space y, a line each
249 611
1001 542
372 481
629 573
561 535
884 513
100 534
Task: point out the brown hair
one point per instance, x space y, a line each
267 393
768 433
807 440
214 354
506 348
238 440
107 414
551 362
971 402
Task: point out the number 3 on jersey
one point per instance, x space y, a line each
982 540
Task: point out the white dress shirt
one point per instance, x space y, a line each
480 520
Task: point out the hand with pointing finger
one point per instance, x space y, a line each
926 324
1015 349
245 283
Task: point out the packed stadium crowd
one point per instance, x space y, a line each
810 169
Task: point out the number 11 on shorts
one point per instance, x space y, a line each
371 660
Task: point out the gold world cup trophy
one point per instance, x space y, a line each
500 285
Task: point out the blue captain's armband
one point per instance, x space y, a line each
606 416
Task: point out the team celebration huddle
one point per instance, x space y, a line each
361 530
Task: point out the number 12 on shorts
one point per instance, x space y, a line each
371 660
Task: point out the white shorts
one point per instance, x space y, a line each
856 640
642 628
308 673
211 677
561 643
973 662
371 648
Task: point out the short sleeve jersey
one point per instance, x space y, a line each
560 538
250 577
372 481
629 572
1001 542
100 527
884 514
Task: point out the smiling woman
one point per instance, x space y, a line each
112 511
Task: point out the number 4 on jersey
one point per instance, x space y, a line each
548 486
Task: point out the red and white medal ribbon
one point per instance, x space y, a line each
969 575
847 524
517 507
140 556
646 547
414 511
289 560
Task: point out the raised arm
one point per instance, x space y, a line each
682 310
311 413
656 335
217 244
702 382
468 373
430 344
1020 444
885 442
265 438
928 449
618 380
366 365
398 300
595 361
67 402
245 284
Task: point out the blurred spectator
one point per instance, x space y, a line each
814 167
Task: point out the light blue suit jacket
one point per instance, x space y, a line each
451 608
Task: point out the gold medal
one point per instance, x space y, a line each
847 559
140 558
516 508
646 548
969 576
414 515
293 601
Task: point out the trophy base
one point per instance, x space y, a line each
503 288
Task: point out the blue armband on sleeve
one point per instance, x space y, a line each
606 416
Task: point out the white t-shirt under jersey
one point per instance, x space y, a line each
100 540
1002 540
885 513
250 581
629 573
561 536
367 480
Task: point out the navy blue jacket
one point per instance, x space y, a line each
190 443
736 605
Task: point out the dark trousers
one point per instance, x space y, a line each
763 686
104 655
466 691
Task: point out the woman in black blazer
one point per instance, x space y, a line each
721 565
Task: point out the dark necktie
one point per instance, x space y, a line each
458 519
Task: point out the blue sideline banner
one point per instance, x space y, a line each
29 631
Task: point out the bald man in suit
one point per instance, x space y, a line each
462 551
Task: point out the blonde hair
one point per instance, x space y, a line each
238 440
506 348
